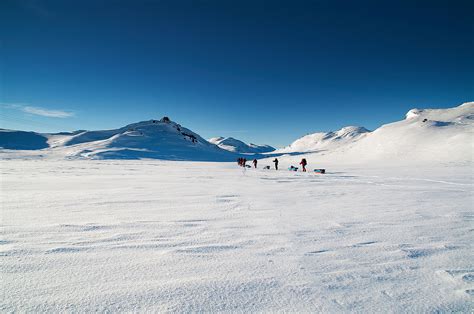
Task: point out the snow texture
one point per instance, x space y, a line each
122 235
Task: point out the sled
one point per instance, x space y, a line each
266 167
293 168
321 171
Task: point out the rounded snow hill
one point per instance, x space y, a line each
326 140
156 139
21 140
234 145
424 136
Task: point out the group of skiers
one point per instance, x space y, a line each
243 163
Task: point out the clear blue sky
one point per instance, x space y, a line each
262 71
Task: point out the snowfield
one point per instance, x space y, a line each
94 221
150 235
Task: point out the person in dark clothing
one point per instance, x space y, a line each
255 163
276 163
303 164
239 162
244 162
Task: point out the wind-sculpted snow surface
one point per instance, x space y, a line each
150 236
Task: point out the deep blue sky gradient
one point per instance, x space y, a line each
261 71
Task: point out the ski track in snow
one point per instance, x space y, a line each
208 237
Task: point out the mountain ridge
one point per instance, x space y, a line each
423 135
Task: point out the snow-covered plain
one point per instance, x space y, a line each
150 235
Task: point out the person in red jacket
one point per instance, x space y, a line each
303 164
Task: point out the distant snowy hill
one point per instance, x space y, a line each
425 135
330 140
10 139
233 145
161 139
158 139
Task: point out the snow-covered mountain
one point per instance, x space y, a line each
159 139
233 145
425 135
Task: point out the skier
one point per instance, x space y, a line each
244 162
239 162
255 163
276 163
303 164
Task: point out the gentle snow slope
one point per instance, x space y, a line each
435 135
425 136
155 236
